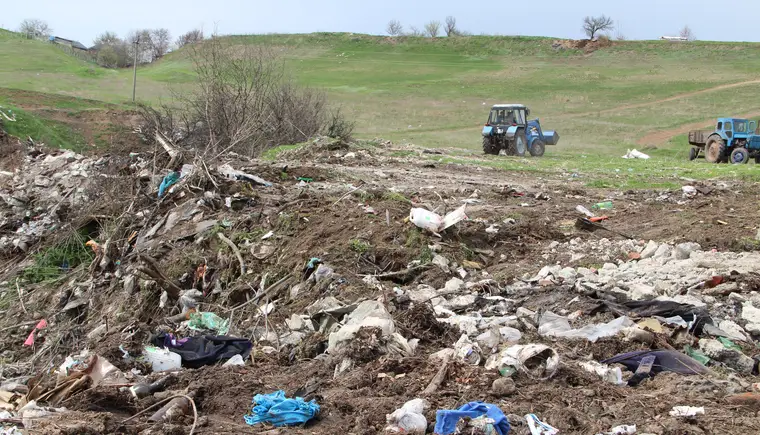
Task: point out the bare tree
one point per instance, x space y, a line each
594 25
414 31
191 37
433 28
140 39
33 28
160 40
394 28
687 33
451 26
107 38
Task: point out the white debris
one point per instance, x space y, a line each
635 154
687 411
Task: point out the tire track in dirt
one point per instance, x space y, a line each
668 99
640 105
660 137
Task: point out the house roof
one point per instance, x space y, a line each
75 44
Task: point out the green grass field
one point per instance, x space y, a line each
437 93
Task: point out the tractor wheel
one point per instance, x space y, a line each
693 153
489 147
518 145
537 149
739 156
715 149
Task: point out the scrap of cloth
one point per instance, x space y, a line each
665 361
278 410
446 420
204 349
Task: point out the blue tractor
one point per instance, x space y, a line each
733 140
509 132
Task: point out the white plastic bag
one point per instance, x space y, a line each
409 418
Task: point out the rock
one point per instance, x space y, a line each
684 250
663 251
642 292
609 266
453 285
295 322
555 244
649 249
752 328
750 313
584 272
460 302
730 357
503 387
442 262
757 236
98 332
422 293
41 181
733 329
568 274
509 334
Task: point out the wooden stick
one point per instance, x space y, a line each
21 297
235 249
438 378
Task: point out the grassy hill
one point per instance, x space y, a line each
437 92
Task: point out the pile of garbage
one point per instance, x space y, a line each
217 278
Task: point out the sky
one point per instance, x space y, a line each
83 20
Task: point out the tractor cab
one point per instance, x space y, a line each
735 128
508 115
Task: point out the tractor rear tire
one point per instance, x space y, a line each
538 148
715 149
693 153
518 145
739 155
489 147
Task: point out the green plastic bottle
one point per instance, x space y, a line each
606 205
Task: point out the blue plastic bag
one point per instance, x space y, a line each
167 182
446 421
276 409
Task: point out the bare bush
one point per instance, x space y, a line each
414 31
394 28
687 33
594 25
191 37
33 28
244 102
451 26
433 28
339 127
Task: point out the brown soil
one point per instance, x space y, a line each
321 220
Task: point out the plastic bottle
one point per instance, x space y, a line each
606 205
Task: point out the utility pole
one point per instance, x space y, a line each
134 79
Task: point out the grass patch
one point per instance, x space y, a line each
359 246
395 196
272 153
57 260
52 133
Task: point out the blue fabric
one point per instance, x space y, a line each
446 421
170 179
276 409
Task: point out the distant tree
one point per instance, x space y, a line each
190 37
142 40
160 40
108 56
394 28
33 28
687 33
107 38
413 31
433 28
594 25
113 52
451 26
